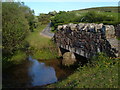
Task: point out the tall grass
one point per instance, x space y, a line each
101 73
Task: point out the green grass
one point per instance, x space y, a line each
45 53
41 47
102 74
118 38
53 30
18 57
36 40
105 15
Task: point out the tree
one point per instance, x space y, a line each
29 15
44 18
15 27
53 13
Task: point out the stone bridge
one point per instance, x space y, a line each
87 39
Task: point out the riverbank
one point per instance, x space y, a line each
34 73
101 73
38 46
41 47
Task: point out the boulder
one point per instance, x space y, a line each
110 31
117 30
68 59
64 26
59 27
72 26
86 27
80 26
91 28
98 27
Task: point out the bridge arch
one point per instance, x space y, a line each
86 39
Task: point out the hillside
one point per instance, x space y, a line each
102 9
105 15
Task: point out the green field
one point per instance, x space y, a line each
41 47
36 40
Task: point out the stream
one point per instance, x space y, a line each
34 73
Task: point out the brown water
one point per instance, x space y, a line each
35 73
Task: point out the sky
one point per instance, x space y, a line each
59 5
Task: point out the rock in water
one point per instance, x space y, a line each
68 59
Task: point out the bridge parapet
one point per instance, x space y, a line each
85 39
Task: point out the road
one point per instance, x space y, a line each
46 32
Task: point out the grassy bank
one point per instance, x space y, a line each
41 47
102 73
18 57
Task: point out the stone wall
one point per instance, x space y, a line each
86 39
117 29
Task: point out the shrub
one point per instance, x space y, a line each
15 27
93 17
86 17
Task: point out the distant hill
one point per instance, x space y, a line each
102 9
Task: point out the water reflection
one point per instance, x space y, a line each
34 73
40 73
